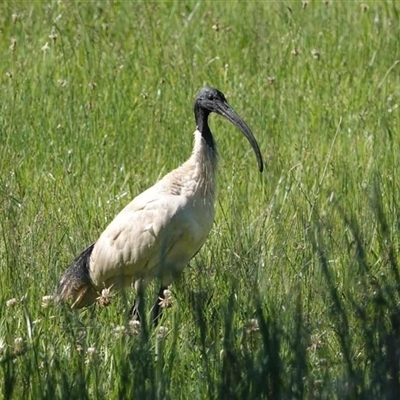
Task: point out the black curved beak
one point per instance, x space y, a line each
224 109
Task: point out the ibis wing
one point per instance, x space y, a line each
143 241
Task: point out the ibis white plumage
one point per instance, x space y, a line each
161 229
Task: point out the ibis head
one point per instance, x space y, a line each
211 100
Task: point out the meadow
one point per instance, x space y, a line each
296 293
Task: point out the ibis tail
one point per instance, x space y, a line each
75 283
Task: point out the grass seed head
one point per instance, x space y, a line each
53 36
252 326
162 332
45 47
11 302
104 299
47 300
133 327
90 354
19 345
119 331
315 53
166 302
13 45
364 7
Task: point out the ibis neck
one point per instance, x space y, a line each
203 165
201 116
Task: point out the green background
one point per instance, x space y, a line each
296 292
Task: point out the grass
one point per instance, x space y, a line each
296 292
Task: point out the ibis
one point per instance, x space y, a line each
163 228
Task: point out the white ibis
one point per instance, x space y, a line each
161 229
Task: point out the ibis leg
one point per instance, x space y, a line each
137 308
134 311
157 309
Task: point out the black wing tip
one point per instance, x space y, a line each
75 283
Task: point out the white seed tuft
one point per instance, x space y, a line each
12 302
47 300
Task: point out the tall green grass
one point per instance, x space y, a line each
296 292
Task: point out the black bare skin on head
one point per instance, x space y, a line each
212 100
206 102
